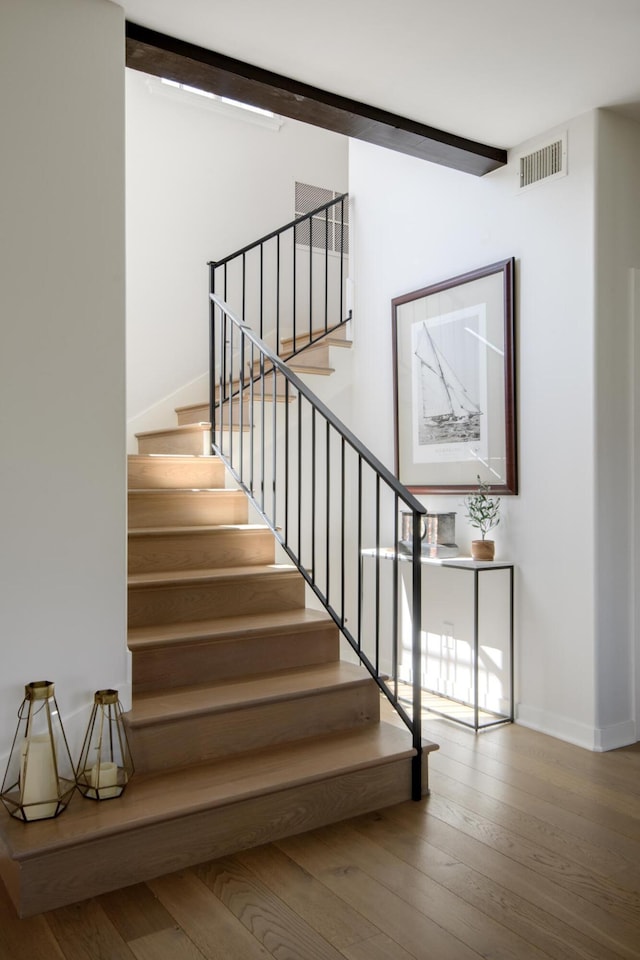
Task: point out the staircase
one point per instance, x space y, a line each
245 727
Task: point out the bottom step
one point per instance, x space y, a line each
165 822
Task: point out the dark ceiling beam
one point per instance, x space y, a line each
164 56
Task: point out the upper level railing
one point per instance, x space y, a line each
289 285
331 504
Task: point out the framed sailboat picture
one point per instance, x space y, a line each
454 383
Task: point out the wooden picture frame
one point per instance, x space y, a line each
454 383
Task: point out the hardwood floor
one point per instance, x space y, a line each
527 848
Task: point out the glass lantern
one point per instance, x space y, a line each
105 765
39 779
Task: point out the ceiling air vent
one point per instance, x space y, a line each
549 162
331 229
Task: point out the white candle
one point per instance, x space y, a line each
38 781
104 777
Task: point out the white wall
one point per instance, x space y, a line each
62 437
416 224
616 507
200 184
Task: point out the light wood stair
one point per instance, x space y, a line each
193 439
315 358
192 435
245 725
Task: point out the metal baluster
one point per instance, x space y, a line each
326 270
244 287
222 381
377 630
241 408
262 432
262 292
300 476
313 494
341 259
342 520
274 449
359 633
394 639
293 306
416 640
251 421
228 398
278 294
212 356
310 279
328 517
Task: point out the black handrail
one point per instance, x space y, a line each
278 466
274 233
285 295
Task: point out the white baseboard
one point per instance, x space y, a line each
580 734
617 735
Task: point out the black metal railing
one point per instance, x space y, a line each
289 285
331 504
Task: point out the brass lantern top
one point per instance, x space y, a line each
106 696
39 690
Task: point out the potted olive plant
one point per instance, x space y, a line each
483 513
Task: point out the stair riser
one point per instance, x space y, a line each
69 874
183 664
196 443
179 743
166 473
200 550
312 358
257 387
240 414
201 413
318 355
167 508
335 337
173 603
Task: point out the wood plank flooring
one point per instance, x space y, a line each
528 848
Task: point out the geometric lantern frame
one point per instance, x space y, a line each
39 779
106 765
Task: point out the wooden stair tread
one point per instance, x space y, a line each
169 431
302 367
153 798
196 529
243 393
170 457
226 628
334 336
303 344
210 574
160 492
237 694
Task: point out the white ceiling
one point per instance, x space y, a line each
496 71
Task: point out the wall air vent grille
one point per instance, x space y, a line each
331 229
548 162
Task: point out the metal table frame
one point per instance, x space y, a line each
476 567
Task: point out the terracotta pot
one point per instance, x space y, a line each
483 549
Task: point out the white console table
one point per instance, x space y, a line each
468 711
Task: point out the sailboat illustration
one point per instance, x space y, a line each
446 411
